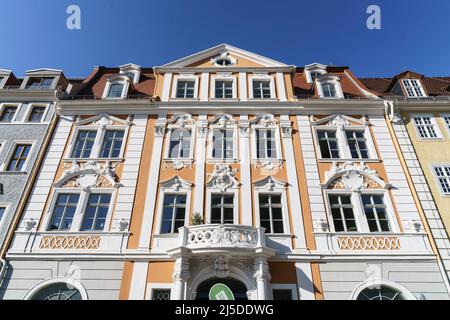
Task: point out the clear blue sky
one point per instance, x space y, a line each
414 33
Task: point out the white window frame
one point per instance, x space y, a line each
278 188
254 149
78 216
419 86
223 77
158 286
175 185
434 165
230 124
284 286
184 77
334 80
314 67
230 191
10 154
131 68
30 108
447 126
433 122
118 79
170 130
100 133
18 108
344 149
262 77
358 210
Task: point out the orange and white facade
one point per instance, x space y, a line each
224 166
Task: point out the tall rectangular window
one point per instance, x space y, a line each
2 212
270 213
36 114
443 177
222 144
425 127
19 157
174 211
185 89
8 114
447 121
222 208
329 90
342 213
265 143
413 88
96 211
224 89
180 144
64 210
83 144
112 144
375 211
357 144
328 143
261 89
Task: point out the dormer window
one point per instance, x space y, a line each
185 89
131 71
314 75
313 71
39 83
130 75
115 90
329 90
413 88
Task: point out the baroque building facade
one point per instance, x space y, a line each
224 167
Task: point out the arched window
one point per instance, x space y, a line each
57 289
115 90
380 293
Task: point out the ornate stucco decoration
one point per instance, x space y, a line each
221 267
223 177
338 120
265 119
180 121
103 120
222 120
91 174
176 184
353 176
269 183
178 164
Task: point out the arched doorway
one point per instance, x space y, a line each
238 288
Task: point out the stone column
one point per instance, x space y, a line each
262 276
180 278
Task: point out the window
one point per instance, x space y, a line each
161 294
180 143
185 89
96 211
224 89
329 90
314 75
83 144
342 213
443 176
447 121
130 75
413 88
425 127
115 90
270 213
357 144
36 114
265 143
222 144
222 208
58 291
328 143
282 294
375 211
380 292
2 212
223 62
112 144
64 210
8 114
18 158
261 89
174 211
39 83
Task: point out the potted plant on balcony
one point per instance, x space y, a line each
197 219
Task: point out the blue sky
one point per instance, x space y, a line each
414 33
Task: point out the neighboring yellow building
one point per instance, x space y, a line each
419 108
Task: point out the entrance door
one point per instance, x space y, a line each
238 288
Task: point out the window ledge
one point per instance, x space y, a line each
93 159
183 99
263 99
224 99
348 160
16 173
222 160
